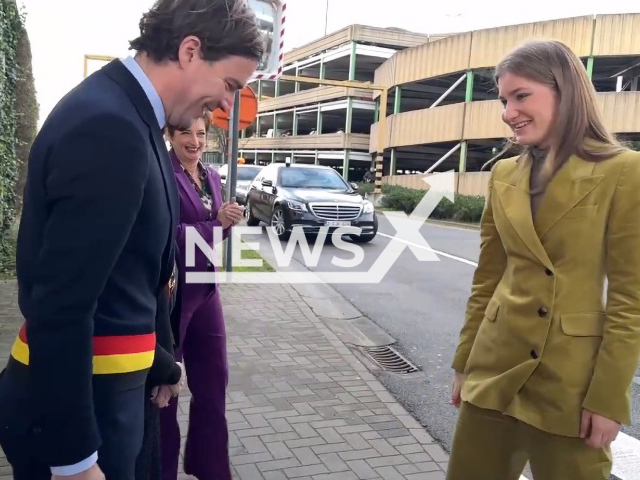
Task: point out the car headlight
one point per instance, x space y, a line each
297 206
368 207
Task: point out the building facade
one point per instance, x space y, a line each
324 124
443 108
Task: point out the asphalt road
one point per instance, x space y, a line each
422 304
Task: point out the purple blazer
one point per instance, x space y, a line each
193 213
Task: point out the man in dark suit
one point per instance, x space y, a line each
95 245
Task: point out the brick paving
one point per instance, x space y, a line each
9 325
300 404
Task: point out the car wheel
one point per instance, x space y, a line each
278 224
248 215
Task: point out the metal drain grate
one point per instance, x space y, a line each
389 359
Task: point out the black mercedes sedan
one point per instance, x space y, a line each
286 196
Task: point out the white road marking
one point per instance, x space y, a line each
437 252
626 457
625 449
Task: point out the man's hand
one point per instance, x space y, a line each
94 473
161 396
458 381
598 431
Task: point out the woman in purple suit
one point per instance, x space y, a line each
197 318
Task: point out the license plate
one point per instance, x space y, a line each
336 223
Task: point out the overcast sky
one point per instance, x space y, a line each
63 31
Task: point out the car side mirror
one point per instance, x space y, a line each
267 183
354 185
223 177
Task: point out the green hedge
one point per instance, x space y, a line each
465 208
11 23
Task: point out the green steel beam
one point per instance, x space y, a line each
345 165
349 121
259 89
590 67
319 122
322 71
352 62
297 88
398 101
277 94
295 124
469 94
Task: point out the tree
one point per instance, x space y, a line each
27 113
18 121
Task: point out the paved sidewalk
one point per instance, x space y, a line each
9 325
300 404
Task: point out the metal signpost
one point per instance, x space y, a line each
232 147
271 18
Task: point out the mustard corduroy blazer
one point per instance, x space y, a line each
542 337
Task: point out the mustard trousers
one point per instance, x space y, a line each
488 445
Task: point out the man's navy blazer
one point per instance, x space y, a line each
95 248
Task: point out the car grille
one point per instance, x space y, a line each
335 211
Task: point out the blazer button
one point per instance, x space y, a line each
542 312
534 355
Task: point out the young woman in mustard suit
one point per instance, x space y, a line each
546 355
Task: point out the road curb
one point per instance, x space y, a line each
348 323
447 223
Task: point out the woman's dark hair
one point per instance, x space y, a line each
171 129
225 28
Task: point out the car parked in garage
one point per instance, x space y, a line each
285 196
246 174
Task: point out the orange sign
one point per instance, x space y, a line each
248 111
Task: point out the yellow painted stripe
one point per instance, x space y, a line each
102 364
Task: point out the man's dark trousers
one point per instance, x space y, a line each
120 417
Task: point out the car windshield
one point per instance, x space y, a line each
292 177
248 173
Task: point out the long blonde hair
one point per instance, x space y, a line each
578 127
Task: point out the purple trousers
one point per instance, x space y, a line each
203 348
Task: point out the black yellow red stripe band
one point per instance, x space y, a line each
111 355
